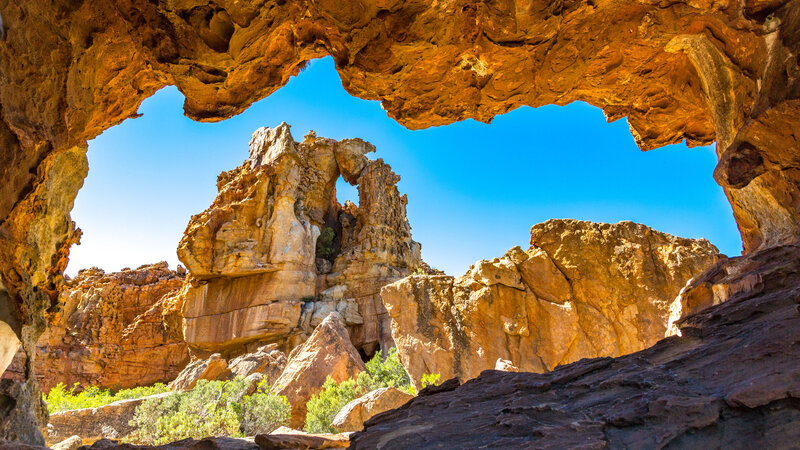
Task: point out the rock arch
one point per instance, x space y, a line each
694 70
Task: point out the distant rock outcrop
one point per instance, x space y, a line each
266 361
110 332
276 252
581 290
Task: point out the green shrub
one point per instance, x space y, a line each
212 408
430 379
62 399
325 243
263 412
381 372
384 372
322 408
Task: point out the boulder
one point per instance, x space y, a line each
267 360
287 438
327 353
582 290
353 415
70 443
215 367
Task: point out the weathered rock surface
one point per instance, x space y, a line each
266 361
70 443
728 278
697 70
328 352
107 421
110 332
215 367
259 272
353 415
209 443
581 290
730 381
287 438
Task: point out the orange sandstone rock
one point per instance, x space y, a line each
275 252
327 353
582 290
110 331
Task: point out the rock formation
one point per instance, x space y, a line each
581 290
275 252
697 70
731 380
267 361
353 415
286 438
109 332
212 368
327 353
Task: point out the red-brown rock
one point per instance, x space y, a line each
110 332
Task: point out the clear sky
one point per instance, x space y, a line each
474 189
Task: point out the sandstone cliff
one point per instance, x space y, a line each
109 332
697 70
730 381
276 252
581 290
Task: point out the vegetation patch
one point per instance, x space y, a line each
381 372
212 408
62 399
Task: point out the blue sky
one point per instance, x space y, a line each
474 189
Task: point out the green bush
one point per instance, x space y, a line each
212 408
325 243
62 399
430 379
384 372
381 372
322 408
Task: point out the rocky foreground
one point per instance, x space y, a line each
731 380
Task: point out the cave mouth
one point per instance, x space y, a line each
149 175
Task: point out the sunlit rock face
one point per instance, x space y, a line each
698 70
276 252
582 290
110 332
730 379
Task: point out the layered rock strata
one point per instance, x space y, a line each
581 290
109 332
730 380
276 252
698 70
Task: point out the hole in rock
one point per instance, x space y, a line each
474 189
